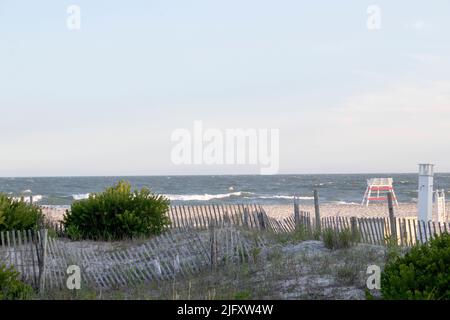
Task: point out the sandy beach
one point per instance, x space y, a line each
404 210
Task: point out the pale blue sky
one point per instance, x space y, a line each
104 100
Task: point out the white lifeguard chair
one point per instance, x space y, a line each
377 190
439 205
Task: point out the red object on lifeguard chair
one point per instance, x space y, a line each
377 190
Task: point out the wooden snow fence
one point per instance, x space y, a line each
252 217
175 253
201 217
379 231
25 250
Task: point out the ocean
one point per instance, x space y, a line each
227 189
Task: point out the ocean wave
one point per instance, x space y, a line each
285 197
80 196
26 199
346 203
325 183
205 197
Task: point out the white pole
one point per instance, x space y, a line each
425 201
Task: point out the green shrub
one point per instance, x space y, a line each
300 233
11 288
117 213
315 234
337 239
243 295
345 238
255 252
368 294
393 250
348 273
18 215
422 273
328 238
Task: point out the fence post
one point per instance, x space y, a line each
246 217
392 221
354 228
157 265
226 219
176 265
42 259
262 223
213 246
296 212
317 210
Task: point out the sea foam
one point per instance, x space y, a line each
80 196
285 197
204 197
26 199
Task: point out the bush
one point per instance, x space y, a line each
243 295
300 233
328 238
422 273
18 215
117 213
11 288
345 238
393 250
337 239
348 273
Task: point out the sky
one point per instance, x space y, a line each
105 99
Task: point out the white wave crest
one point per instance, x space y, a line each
26 199
203 197
346 203
80 196
285 197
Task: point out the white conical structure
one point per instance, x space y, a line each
425 200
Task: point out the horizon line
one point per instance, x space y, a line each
202 175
